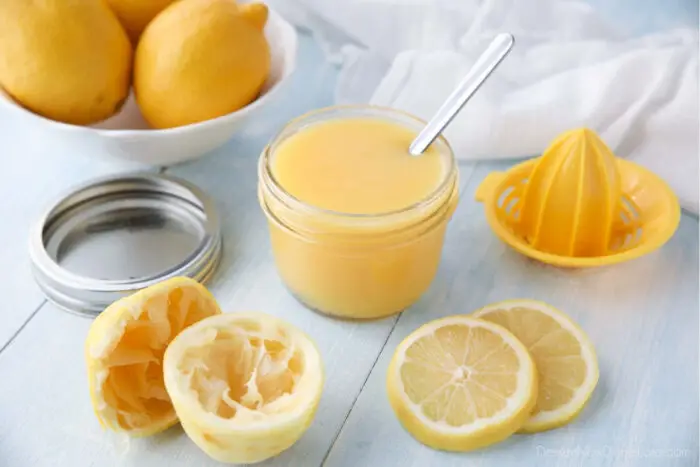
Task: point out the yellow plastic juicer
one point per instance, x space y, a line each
579 206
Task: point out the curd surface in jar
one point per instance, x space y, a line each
356 223
357 166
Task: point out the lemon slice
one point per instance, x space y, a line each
459 383
245 385
124 352
566 361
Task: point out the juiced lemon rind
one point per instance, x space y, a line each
250 435
104 335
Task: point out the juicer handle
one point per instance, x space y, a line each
487 185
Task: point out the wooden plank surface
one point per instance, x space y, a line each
642 316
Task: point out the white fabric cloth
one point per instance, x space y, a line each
568 69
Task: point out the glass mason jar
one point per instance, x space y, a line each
354 265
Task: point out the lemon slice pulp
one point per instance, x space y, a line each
459 383
245 386
565 359
124 352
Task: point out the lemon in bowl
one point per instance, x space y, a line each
200 59
43 52
129 136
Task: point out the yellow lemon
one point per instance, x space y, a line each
245 385
565 359
124 351
136 14
67 60
460 383
200 59
255 14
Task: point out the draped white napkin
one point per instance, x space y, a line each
568 69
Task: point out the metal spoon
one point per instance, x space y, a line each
482 69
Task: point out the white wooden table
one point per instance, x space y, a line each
642 317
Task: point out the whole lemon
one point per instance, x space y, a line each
200 59
136 14
68 60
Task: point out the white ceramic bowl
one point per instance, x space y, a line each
127 136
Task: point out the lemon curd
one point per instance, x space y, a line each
356 223
357 166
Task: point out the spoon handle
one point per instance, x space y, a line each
483 67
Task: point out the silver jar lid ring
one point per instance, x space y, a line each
112 236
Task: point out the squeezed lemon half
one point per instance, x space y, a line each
124 352
245 386
460 383
565 358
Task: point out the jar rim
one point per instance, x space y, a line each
381 112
